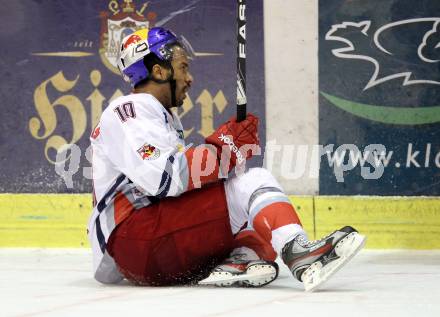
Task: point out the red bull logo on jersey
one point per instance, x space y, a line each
148 152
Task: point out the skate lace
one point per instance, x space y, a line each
304 242
236 258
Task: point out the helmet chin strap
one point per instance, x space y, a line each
173 85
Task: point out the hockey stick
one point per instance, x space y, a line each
241 60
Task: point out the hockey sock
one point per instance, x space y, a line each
275 219
251 239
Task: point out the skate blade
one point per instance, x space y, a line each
255 276
317 274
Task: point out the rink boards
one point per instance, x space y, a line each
60 220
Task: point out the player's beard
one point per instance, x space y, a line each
181 100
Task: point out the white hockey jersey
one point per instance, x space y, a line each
138 156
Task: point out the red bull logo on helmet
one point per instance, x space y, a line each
124 18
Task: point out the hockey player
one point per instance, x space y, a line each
163 213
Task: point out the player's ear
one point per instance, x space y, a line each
158 72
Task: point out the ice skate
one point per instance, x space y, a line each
314 262
239 270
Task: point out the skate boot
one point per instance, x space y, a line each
240 270
314 262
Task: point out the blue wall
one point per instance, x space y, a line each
379 82
50 100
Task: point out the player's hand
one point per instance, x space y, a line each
240 138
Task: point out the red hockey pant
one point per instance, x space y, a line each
175 241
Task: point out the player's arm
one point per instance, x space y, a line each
141 148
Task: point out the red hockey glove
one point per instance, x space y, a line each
238 138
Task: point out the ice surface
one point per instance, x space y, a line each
58 282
